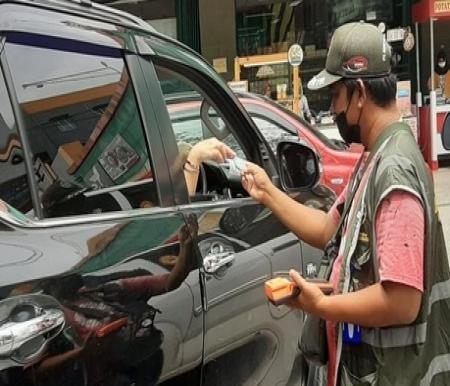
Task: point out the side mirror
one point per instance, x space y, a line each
298 165
445 135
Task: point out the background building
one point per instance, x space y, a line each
224 29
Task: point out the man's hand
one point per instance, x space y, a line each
256 182
311 296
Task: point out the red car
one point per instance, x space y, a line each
276 122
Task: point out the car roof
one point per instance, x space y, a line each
88 9
100 12
162 45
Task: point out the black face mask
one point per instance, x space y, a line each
349 133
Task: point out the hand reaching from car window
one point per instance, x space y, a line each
210 149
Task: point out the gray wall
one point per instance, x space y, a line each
150 9
218 32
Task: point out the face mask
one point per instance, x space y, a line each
349 133
442 64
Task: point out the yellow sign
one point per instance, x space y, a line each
441 6
220 65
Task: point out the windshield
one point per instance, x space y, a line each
316 132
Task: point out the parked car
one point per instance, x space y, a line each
110 273
276 122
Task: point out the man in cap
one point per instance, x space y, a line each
388 320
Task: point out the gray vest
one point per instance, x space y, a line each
415 354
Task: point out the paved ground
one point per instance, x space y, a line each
442 188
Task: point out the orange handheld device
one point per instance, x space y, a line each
280 290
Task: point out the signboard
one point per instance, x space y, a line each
239 85
442 6
295 55
220 65
118 157
395 34
423 10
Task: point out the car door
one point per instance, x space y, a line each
240 243
99 284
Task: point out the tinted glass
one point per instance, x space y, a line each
86 137
13 176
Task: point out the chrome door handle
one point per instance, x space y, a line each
15 334
214 261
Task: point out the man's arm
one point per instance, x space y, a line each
379 305
310 225
400 229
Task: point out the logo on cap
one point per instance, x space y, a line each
356 64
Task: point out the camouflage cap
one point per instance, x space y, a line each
357 50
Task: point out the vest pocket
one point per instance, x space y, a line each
361 268
347 378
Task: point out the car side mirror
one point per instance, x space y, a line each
298 165
445 135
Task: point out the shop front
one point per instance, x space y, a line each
265 29
257 34
432 20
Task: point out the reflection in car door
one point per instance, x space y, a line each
84 305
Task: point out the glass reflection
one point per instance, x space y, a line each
111 336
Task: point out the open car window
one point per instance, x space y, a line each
195 118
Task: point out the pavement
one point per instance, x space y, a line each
442 191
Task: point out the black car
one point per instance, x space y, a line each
110 273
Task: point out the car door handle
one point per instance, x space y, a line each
214 261
14 334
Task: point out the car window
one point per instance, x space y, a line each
184 101
13 175
86 137
196 119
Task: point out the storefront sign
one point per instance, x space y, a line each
220 65
239 85
441 6
395 34
295 55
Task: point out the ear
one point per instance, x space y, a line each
362 93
